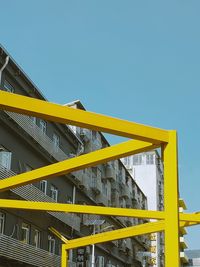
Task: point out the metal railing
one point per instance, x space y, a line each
19 251
32 193
36 133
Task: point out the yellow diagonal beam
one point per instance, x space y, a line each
85 209
77 163
58 234
66 115
116 234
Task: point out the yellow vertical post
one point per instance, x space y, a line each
172 258
64 257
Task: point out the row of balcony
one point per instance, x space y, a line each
25 253
32 193
38 135
41 138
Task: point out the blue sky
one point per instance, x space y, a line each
137 60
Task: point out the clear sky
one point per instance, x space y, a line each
137 60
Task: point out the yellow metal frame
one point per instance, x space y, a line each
145 138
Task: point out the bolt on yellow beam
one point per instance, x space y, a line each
77 163
172 257
66 115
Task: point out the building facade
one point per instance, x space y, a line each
147 170
27 143
193 257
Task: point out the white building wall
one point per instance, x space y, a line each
145 171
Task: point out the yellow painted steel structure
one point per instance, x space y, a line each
145 138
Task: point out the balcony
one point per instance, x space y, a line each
115 198
82 178
125 192
102 200
16 250
183 244
115 186
96 185
183 257
110 173
129 245
32 193
35 132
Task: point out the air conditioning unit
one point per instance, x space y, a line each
100 261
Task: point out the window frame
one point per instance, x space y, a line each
37 243
2 222
43 182
25 228
43 126
54 189
51 240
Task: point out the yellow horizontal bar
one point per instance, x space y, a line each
85 119
116 234
85 209
56 233
187 219
190 217
74 164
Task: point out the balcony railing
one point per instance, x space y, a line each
32 193
19 251
36 133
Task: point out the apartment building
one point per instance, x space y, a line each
183 245
147 171
193 257
27 143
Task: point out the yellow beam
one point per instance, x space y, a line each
171 202
85 119
56 233
77 163
85 209
64 257
116 234
192 218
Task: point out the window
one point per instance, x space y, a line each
43 186
8 87
149 159
33 120
137 160
43 126
56 141
54 193
2 222
51 244
37 238
25 233
5 159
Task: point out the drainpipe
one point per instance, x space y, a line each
3 67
